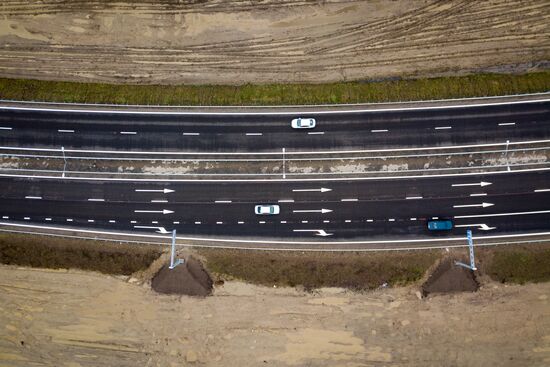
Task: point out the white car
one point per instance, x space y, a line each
267 209
301 123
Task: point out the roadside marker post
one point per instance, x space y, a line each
472 265
64 160
284 164
173 253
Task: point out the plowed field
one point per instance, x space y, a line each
233 42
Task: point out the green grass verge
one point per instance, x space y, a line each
520 265
477 85
314 270
55 253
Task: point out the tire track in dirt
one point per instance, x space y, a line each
228 42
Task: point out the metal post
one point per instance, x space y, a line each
64 160
472 265
173 252
284 164
507 163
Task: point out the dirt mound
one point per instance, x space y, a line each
448 278
189 278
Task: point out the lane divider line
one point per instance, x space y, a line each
34 197
507 124
443 127
349 199
65 131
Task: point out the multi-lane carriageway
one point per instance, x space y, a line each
498 203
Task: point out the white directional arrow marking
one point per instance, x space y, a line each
323 211
159 229
322 189
484 205
165 191
320 232
483 226
163 211
482 183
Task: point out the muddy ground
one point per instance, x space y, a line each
75 318
233 42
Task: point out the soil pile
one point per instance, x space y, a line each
448 278
188 278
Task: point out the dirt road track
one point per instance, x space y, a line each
228 42
60 318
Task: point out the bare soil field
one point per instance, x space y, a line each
76 318
270 41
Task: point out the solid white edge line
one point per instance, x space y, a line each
285 113
462 238
542 190
278 153
501 214
277 179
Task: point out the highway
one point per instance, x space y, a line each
256 132
493 200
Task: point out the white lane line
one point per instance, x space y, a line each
349 199
443 127
285 201
128 132
26 218
219 222
262 222
501 214
159 201
69 219
197 222
480 194
542 190
48 219
240 222
191 134
348 220
91 220
370 220
155 222
507 124
34 197
112 221
304 221
413 197
254 134
176 222
283 222
91 199
435 218
254 241
413 218
391 220
133 221
223 201
289 113
379 131
5 217
482 205
326 221
316 133
5 128
65 131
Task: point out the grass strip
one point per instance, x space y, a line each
65 253
356 271
475 85
519 265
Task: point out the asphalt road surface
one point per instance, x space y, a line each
511 203
505 203
264 132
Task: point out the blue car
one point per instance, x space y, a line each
440 225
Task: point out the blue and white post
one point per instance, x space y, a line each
173 252
472 265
